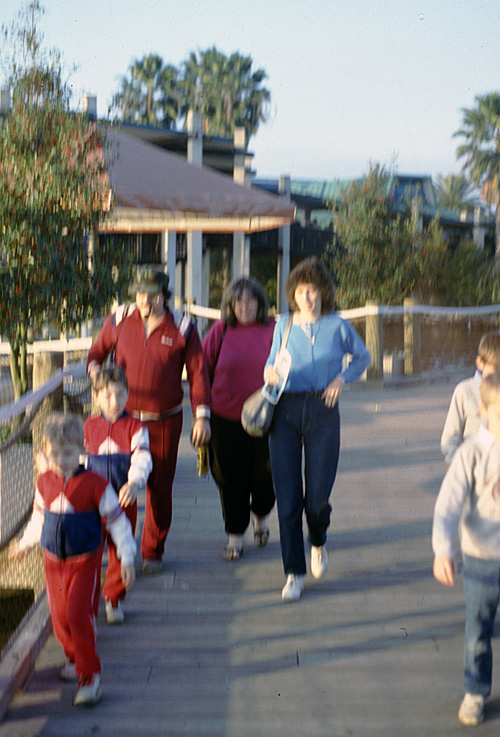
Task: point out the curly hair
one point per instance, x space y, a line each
234 291
311 271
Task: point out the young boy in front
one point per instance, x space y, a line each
68 507
469 502
463 420
118 449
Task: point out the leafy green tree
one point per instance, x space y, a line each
455 192
481 150
382 256
469 277
54 194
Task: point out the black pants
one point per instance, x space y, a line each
241 469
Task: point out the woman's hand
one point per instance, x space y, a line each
271 376
333 391
444 570
201 433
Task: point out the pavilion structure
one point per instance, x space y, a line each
159 192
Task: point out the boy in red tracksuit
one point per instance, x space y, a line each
118 449
68 507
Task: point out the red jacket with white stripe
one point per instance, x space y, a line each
154 365
67 513
118 450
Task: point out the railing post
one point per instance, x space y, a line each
45 364
375 340
412 339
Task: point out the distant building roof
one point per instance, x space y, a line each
154 188
218 152
318 194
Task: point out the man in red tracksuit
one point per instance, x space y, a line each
153 345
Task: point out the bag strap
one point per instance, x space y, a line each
265 389
112 353
288 327
212 372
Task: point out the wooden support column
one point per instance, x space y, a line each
241 255
194 286
46 364
194 240
241 242
375 340
283 266
412 339
169 256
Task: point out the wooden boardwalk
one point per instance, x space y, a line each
208 648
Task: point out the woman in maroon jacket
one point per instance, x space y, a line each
153 345
236 348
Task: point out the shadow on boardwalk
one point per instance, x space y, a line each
208 648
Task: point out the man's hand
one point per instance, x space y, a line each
444 570
201 433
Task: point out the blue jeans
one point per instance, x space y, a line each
482 592
302 422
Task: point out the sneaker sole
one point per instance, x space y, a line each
88 702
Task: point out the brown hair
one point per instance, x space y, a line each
490 389
489 347
63 428
234 291
312 271
106 376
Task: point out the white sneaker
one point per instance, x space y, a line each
90 693
68 672
114 614
293 588
471 710
319 561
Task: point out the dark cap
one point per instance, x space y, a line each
148 279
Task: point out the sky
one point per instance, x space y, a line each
352 82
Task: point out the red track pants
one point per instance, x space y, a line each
114 588
164 436
71 586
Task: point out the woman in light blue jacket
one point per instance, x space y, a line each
306 419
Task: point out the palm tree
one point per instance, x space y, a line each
455 192
225 91
146 71
127 101
168 100
150 95
481 151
